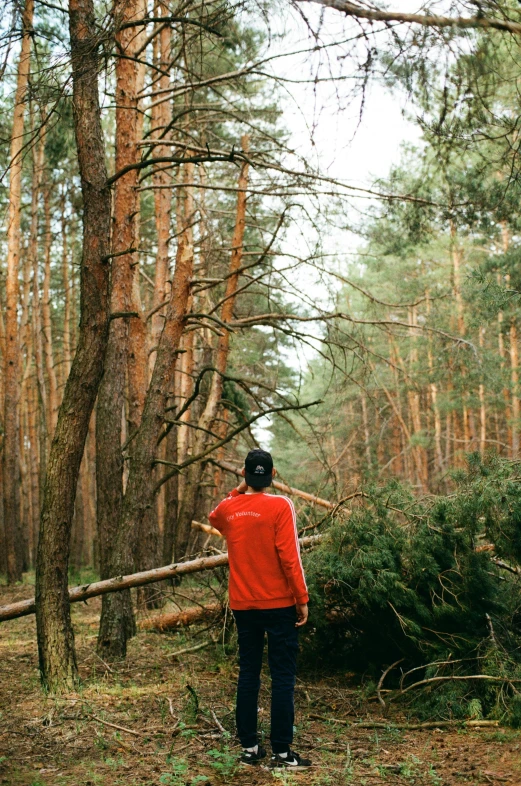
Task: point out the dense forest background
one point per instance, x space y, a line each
183 283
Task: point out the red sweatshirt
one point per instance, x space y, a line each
263 549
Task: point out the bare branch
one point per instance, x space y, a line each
478 22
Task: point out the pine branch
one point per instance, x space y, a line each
478 22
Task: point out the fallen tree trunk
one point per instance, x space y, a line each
182 619
324 503
207 528
118 583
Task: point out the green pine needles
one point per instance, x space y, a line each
430 582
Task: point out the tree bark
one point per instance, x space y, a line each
171 499
117 622
147 541
433 389
141 486
507 394
461 430
161 119
365 424
414 406
36 316
66 295
514 377
52 412
194 474
482 402
57 656
78 527
11 450
34 456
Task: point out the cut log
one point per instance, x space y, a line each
118 583
324 503
182 619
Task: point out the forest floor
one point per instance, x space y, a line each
171 711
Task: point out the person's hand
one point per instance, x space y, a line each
241 488
302 614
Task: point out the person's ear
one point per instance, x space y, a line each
243 472
273 472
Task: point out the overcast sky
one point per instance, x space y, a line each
325 128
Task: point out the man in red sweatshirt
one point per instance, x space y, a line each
268 594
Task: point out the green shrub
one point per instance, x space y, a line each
403 577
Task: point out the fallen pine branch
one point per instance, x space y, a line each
82 593
185 650
474 724
115 726
218 722
453 678
381 682
505 566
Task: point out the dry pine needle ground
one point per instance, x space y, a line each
158 721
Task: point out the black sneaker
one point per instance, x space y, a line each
292 761
249 757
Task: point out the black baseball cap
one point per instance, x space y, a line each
259 468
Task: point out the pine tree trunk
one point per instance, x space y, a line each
141 486
36 315
66 295
89 495
448 438
433 390
414 405
117 622
502 355
11 450
34 454
205 422
78 526
147 542
57 656
3 549
457 256
461 430
507 394
185 390
26 356
399 445
367 436
156 522
162 178
46 321
25 497
171 498
514 377
482 403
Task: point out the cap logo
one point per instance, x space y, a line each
259 470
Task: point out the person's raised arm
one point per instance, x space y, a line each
217 517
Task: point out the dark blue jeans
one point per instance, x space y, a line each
279 624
